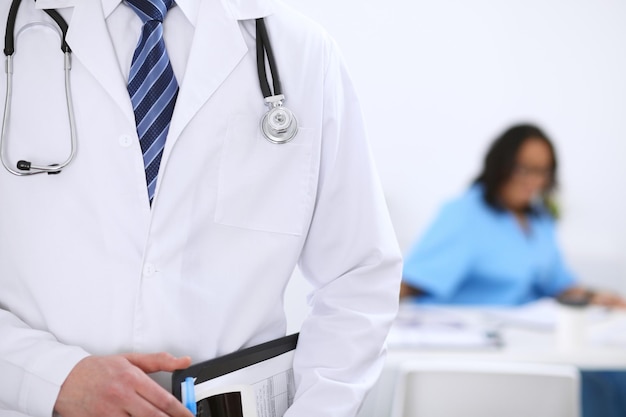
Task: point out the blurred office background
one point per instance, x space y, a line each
438 80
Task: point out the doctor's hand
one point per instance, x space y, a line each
118 386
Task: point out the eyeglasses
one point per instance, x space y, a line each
527 171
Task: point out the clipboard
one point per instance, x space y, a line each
258 373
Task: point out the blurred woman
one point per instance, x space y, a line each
496 243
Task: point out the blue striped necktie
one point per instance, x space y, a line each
152 86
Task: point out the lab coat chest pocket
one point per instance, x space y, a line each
264 186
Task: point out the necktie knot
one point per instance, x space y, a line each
148 10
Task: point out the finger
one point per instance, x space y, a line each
155 362
141 407
160 399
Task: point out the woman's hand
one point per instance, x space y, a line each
607 299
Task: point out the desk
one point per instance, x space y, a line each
520 344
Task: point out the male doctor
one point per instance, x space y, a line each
172 240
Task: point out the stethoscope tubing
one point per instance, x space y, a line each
25 167
9 36
279 125
263 48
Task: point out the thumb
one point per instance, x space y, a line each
155 362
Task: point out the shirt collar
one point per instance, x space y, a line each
239 9
249 9
188 7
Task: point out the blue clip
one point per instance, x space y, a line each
190 396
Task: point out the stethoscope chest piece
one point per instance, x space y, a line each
279 125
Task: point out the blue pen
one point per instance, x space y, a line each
190 395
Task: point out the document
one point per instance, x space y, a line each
434 327
253 382
539 315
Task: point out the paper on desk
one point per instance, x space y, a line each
611 332
537 315
432 327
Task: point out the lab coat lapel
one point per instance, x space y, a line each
217 48
91 44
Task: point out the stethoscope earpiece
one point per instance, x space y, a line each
279 125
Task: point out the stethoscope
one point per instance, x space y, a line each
279 125
27 167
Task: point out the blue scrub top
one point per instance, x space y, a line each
474 254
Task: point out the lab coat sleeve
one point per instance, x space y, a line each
351 258
438 262
33 366
33 363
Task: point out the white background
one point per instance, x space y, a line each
439 80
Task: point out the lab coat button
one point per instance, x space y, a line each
126 141
149 270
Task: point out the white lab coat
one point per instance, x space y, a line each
86 267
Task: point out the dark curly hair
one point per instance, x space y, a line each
500 162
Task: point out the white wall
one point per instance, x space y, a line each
440 79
